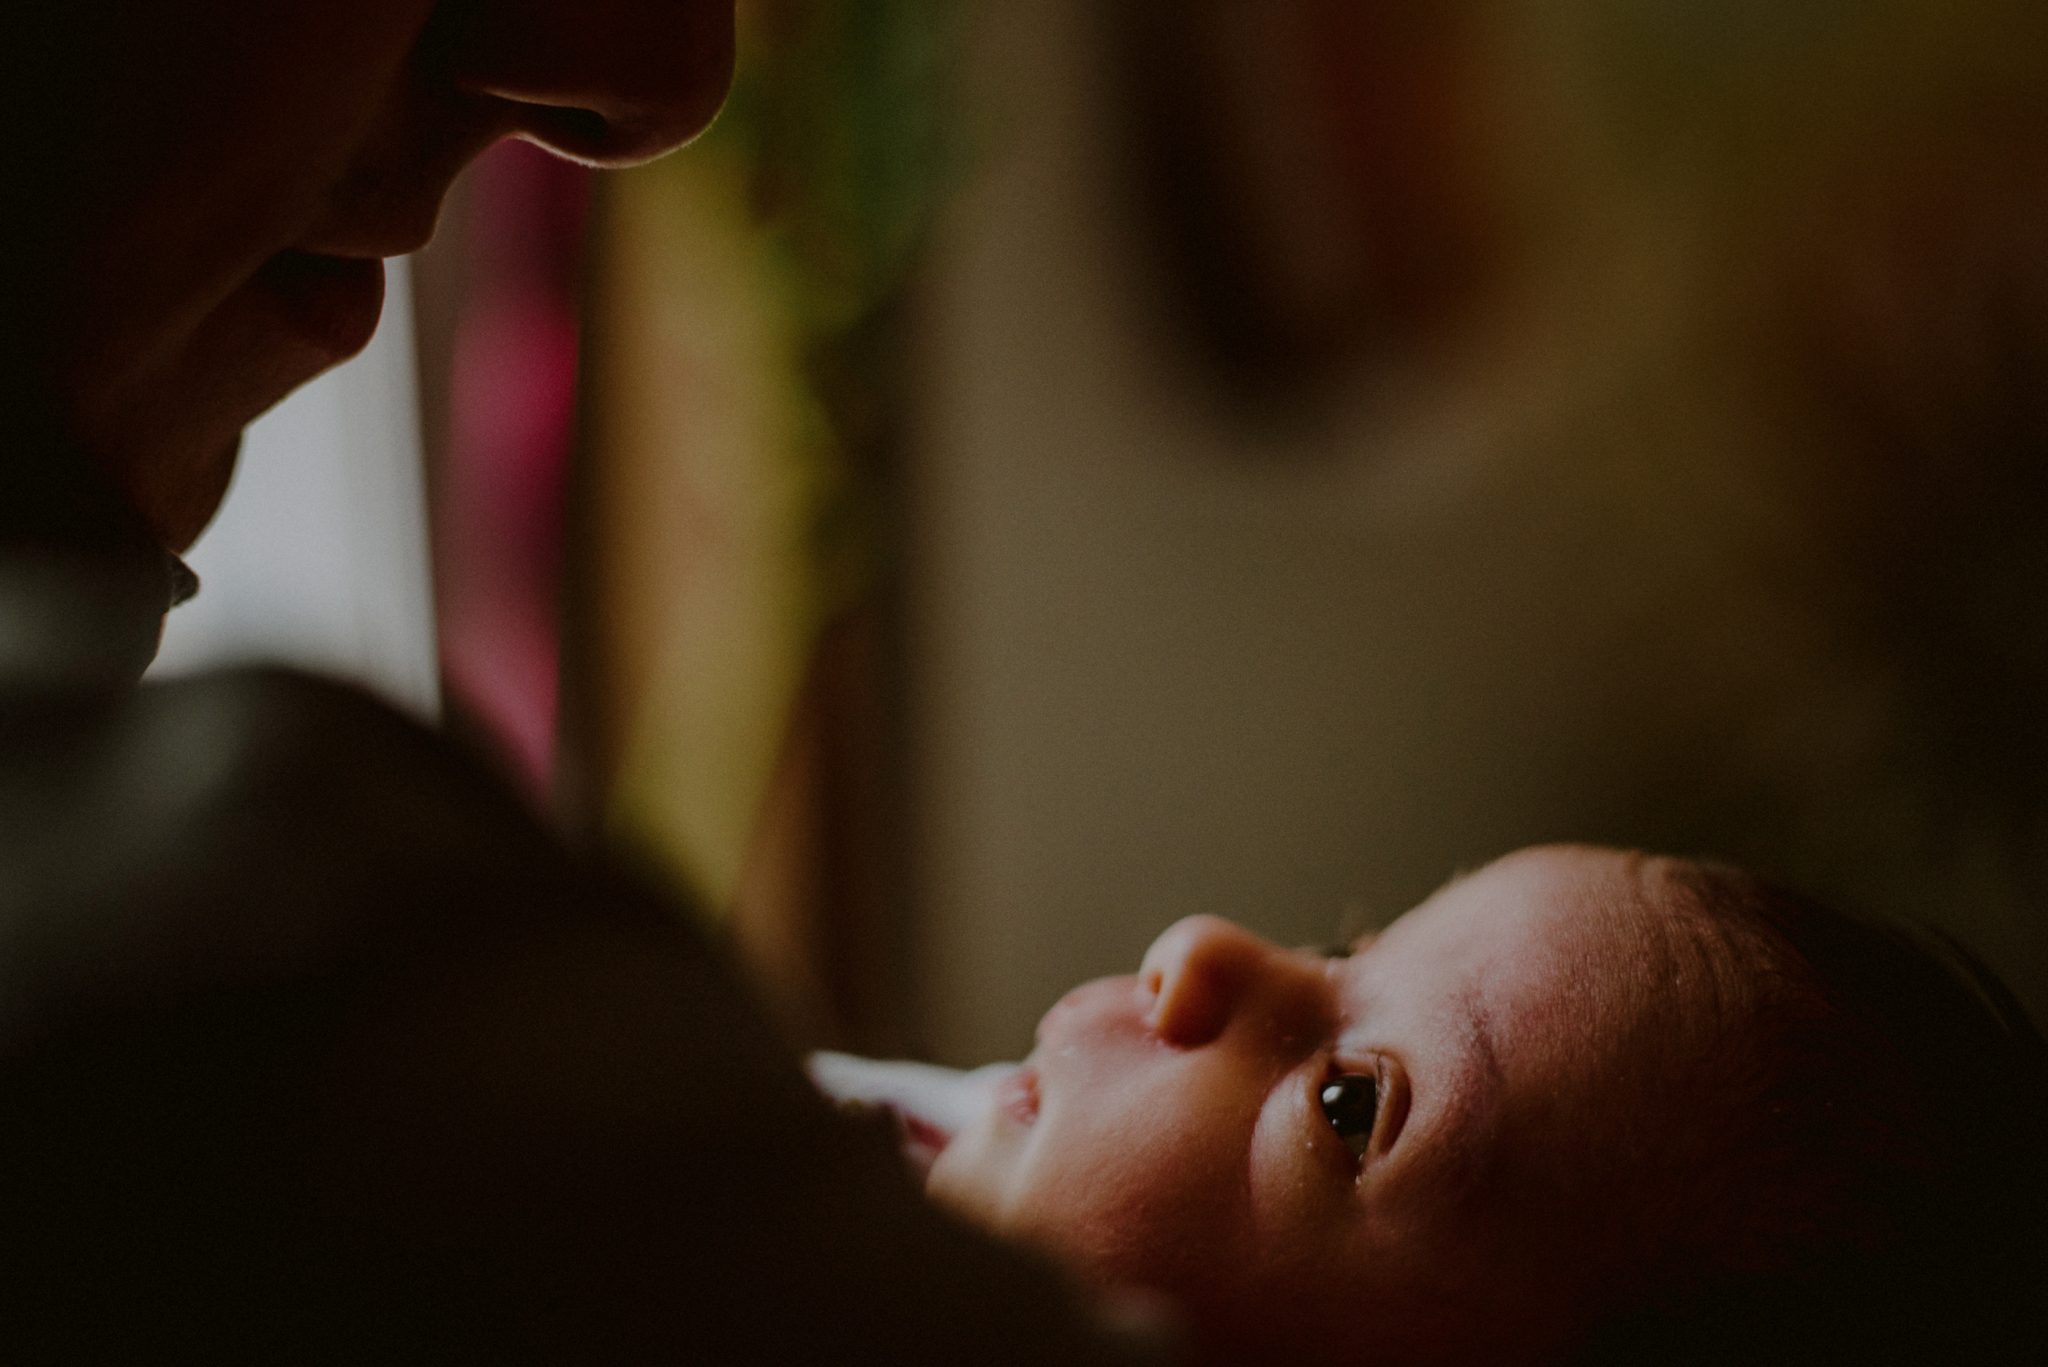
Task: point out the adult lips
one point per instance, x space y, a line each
332 303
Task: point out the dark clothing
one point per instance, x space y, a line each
83 587
315 1045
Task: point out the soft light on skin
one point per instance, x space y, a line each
1519 1022
188 158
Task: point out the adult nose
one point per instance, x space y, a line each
605 82
1204 973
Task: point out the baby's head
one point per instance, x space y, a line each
1578 1105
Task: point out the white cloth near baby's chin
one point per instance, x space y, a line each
929 1103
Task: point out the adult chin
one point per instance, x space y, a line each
177 493
169 438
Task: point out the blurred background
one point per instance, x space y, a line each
1033 472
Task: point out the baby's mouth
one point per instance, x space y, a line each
923 1141
1017 1093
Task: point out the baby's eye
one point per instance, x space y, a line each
1351 1103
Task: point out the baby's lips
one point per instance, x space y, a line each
1016 1091
921 1134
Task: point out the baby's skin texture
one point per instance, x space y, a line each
1418 1149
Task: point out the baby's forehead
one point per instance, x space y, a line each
1610 991
1592 950
1590 896
1570 896
1573 1026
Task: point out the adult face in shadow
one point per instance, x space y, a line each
205 192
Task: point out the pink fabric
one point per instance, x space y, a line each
512 397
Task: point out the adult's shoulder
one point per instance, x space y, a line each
240 819
314 1042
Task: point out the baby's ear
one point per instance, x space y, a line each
1147 1321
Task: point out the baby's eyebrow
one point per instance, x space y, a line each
1472 1093
1354 932
1344 947
1457 876
1480 1036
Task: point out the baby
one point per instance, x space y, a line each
1579 1106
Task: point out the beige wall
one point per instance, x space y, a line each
1563 580
318 559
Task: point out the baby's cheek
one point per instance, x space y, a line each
1135 1220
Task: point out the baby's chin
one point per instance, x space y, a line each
973 1175
971 1183
960 1181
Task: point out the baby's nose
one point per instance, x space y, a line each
1204 970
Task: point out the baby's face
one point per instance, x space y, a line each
1416 1152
